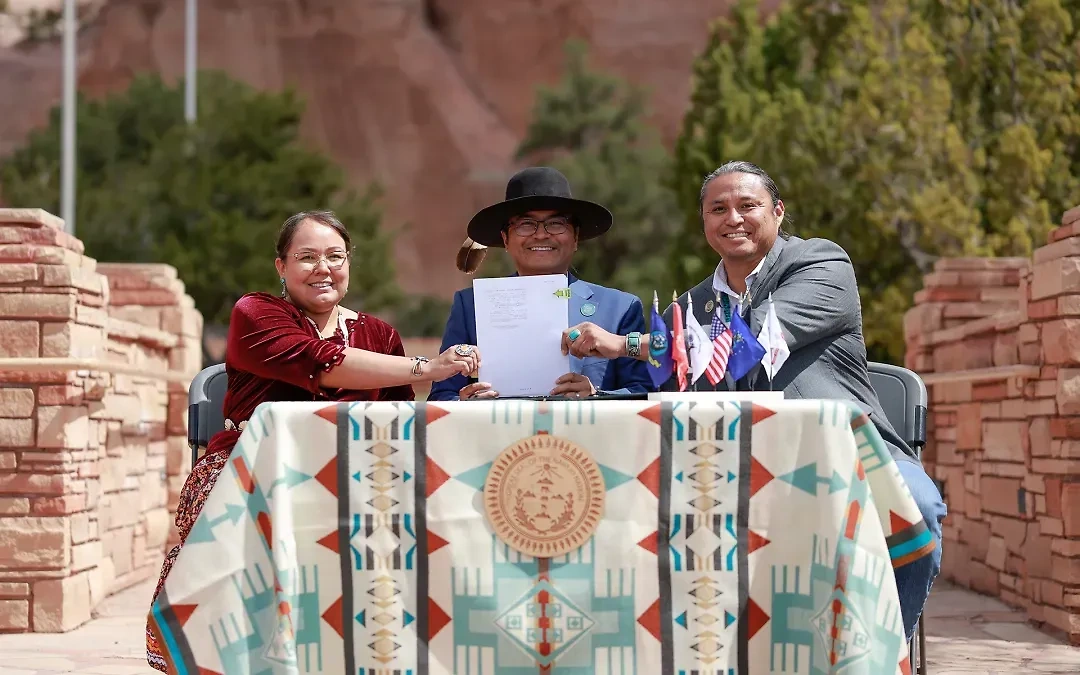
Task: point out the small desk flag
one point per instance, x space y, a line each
659 346
772 339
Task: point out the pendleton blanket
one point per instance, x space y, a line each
687 538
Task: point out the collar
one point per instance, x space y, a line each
720 281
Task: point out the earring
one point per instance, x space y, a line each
283 287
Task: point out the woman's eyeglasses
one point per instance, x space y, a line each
309 260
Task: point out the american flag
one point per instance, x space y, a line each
721 337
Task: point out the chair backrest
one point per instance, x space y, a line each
902 395
206 397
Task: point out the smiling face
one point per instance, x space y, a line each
740 220
315 268
548 250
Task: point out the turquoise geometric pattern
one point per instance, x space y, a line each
544 623
806 479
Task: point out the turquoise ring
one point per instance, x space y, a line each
574 334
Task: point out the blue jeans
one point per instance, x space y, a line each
913 581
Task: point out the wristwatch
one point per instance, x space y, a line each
633 344
418 365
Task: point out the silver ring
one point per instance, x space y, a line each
463 350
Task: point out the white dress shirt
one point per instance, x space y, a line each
720 284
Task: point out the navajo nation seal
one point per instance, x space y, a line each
544 496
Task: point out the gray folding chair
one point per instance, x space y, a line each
206 396
902 395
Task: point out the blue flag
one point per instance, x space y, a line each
659 346
746 351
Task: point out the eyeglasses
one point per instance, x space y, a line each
309 260
528 226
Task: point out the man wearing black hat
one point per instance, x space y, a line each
540 224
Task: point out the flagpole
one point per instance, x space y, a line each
191 27
67 120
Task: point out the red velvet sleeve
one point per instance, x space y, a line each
270 341
404 392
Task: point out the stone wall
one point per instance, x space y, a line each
94 365
998 342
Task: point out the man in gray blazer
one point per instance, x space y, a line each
813 286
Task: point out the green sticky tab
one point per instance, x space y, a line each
562 293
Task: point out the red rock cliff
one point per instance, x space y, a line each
430 97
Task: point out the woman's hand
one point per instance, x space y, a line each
588 339
477 390
573 385
459 359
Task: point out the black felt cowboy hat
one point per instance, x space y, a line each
538 188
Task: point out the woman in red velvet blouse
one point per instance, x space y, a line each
304 346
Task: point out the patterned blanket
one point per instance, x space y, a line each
684 538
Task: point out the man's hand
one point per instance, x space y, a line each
588 339
477 390
573 385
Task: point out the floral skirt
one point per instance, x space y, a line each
196 489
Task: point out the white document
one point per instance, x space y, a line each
519 327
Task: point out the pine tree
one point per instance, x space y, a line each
208 198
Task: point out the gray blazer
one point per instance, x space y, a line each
817 301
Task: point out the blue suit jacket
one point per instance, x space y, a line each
617 312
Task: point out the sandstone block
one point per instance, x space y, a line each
63 427
1062 248
58 506
91 316
16 433
995 555
86 555
31 218
19 273
1040 407
21 340
1002 496
14 590
1066 570
60 395
14 506
72 340
34 542
61 604
148 298
1061 342
52 306
118 547
1003 441
1055 277
16 403
73 277
1069 508
14 615
1039 436
1063 467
